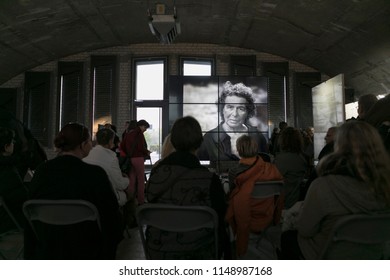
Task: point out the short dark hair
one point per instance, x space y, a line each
143 123
186 134
104 135
239 90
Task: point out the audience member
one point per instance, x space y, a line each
180 179
103 156
308 143
68 177
365 103
247 216
292 164
275 141
135 147
354 179
327 149
379 117
12 189
115 147
329 142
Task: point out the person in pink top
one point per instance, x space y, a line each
134 146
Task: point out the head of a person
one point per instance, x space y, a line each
7 141
186 134
132 125
105 137
291 140
365 103
282 125
74 137
247 146
143 125
359 147
330 134
236 104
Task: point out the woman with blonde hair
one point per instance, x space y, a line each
354 179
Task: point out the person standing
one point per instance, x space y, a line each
134 146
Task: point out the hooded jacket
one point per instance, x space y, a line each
248 215
329 198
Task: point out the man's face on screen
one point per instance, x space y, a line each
234 111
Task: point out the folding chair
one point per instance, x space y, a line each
267 189
60 212
63 229
264 245
359 236
18 230
176 218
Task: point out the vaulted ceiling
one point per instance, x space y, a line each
332 36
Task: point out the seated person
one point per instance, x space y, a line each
68 177
180 179
103 156
12 189
354 179
248 216
292 163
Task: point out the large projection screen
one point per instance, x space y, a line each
328 109
199 97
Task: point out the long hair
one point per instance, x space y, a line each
359 148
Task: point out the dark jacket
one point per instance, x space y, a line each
134 144
68 177
180 179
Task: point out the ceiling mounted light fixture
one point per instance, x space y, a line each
163 23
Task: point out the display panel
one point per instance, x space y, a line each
226 108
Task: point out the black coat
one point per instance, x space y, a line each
68 177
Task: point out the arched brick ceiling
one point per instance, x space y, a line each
333 36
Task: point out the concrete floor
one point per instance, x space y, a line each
130 248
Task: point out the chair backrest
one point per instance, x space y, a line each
60 212
175 218
359 236
267 189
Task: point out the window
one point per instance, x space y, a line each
149 104
36 101
70 89
149 81
103 90
197 67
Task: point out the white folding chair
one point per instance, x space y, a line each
175 218
359 236
60 212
